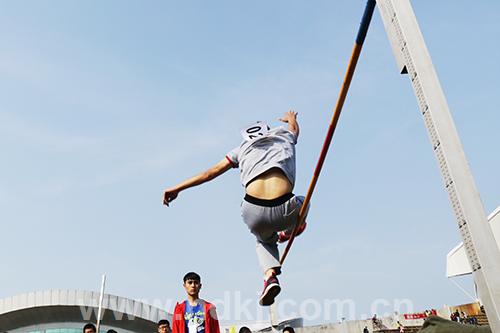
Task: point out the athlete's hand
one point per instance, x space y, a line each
289 116
169 195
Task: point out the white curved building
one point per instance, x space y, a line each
67 311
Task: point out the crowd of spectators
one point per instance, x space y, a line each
463 318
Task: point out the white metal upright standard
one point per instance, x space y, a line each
274 318
101 298
413 58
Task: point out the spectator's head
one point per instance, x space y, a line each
192 276
192 284
164 326
244 329
89 328
288 329
111 331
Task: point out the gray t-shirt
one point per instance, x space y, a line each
273 149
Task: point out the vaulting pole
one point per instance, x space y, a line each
363 28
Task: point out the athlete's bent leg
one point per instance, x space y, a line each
295 205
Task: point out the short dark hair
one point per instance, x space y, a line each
289 329
111 331
89 326
192 276
163 322
245 329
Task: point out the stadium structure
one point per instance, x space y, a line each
67 311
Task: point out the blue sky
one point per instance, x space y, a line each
104 104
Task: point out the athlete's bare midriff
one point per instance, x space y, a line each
270 185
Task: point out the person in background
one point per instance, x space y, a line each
244 329
89 328
164 326
401 328
463 318
457 316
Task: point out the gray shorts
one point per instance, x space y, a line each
265 218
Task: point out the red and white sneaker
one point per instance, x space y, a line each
271 290
284 236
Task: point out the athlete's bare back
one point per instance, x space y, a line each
271 184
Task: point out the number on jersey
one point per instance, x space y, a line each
254 131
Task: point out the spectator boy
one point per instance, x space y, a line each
194 315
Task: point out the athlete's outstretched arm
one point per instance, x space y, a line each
290 117
171 193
